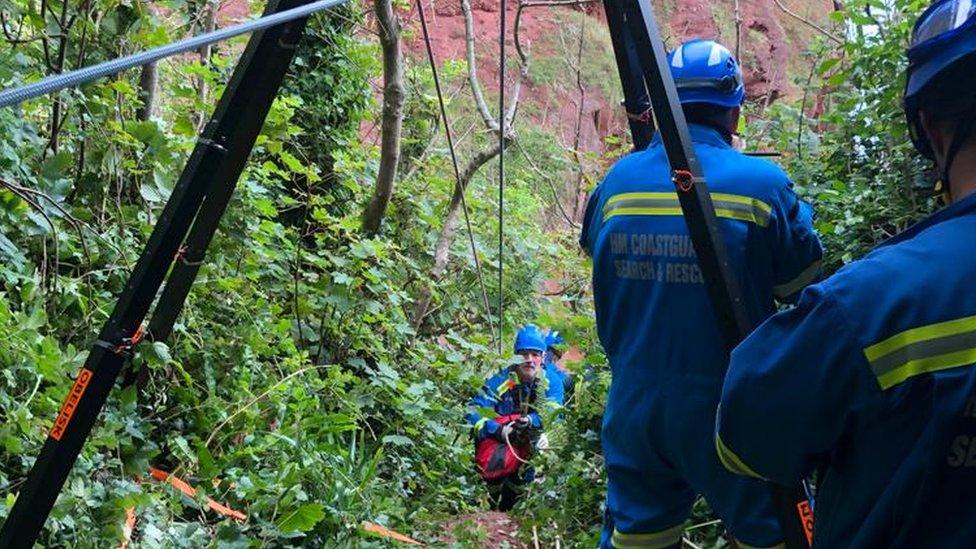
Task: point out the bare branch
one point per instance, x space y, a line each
12 40
542 175
738 31
449 229
537 3
580 175
479 97
807 22
54 230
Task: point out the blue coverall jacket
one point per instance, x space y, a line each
505 394
870 380
657 326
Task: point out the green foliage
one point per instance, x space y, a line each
855 161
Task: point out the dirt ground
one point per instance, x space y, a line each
488 529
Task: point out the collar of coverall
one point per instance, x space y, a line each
705 135
956 209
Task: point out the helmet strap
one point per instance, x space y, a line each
963 131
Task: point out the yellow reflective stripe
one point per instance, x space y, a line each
507 385
746 200
729 206
737 198
747 546
942 329
801 281
731 461
653 540
923 350
639 196
751 217
913 368
658 210
479 424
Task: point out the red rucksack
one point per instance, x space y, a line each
495 459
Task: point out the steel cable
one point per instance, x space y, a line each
454 162
78 77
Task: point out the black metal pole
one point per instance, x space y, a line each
699 214
208 179
636 102
239 144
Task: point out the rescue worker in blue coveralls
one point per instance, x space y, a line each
655 320
513 395
555 347
870 380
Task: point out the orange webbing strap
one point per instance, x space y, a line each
385 532
185 489
128 527
191 492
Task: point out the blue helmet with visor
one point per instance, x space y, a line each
530 338
944 35
705 71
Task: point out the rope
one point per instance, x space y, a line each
506 435
454 163
501 172
78 77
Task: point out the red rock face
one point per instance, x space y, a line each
767 50
555 107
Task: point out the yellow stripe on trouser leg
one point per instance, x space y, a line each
652 540
731 461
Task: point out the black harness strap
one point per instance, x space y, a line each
636 102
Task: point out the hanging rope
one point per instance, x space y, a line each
457 170
501 173
78 77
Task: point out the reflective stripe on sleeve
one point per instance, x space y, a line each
653 540
729 206
505 387
923 350
731 461
480 424
801 281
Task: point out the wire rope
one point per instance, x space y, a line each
501 173
454 163
78 77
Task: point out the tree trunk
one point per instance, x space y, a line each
393 97
148 85
449 230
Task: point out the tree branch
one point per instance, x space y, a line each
807 22
393 99
479 97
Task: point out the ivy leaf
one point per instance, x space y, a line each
208 468
827 65
302 519
398 440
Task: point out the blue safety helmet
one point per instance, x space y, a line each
530 338
554 339
944 34
706 72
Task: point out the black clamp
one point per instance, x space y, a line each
125 345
